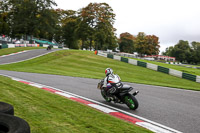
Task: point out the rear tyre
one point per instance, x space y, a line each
6 108
131 102
104 96
13 124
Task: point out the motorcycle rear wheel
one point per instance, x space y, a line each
105 97
131 102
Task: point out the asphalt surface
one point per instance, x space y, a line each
176 108
26 55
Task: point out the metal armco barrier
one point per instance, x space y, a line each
124 59
142 64
198 79
163 69
110 56
172 72
189 76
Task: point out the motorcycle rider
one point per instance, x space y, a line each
49 47
108 80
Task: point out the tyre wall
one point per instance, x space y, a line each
10 123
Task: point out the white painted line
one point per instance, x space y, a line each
153 128
101 108
16 79
122 111
64 94
21 52
36 85
14 53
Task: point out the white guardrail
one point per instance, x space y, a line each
118 56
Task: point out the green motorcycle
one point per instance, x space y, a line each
121 96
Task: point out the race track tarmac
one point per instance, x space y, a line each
175 108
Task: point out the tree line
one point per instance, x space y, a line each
88 27
185 52
91 26
142 43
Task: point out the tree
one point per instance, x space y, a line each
47 24
83 31
147 44
140 43
70 24
197 55
20 17
182 50
126 42
111 40
195 51
152 45
96 24
169 51
30 17
4 27
62 17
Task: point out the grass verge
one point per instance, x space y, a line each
85 64
7 51
49 113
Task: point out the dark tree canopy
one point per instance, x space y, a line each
147 44
184 52
30 17
96 24
142 43
126 42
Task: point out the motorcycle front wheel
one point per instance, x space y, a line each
131 102
104 96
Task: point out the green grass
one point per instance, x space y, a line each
85 64
49 113
7 51
193 71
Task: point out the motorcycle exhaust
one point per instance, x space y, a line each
135 93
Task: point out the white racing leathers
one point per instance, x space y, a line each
109 80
